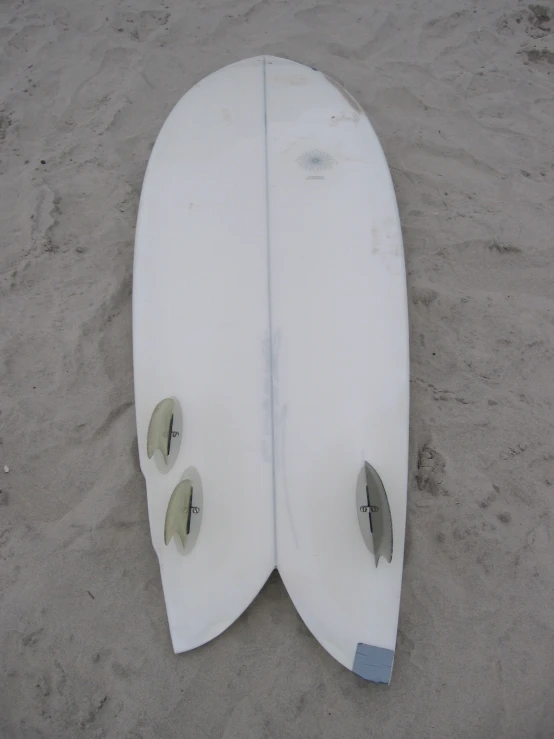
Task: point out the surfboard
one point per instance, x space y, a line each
270 329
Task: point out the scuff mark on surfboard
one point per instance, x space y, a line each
375 240
353 117
291 79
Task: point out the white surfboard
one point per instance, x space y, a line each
270 302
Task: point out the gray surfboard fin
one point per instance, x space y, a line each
160 429
374 514
178 515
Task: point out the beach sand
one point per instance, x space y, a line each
461 96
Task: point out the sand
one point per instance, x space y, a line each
461 96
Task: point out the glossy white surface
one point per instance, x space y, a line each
200 325
341 366
268 209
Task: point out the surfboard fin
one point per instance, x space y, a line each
184 512
179 512
374 514
161 431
